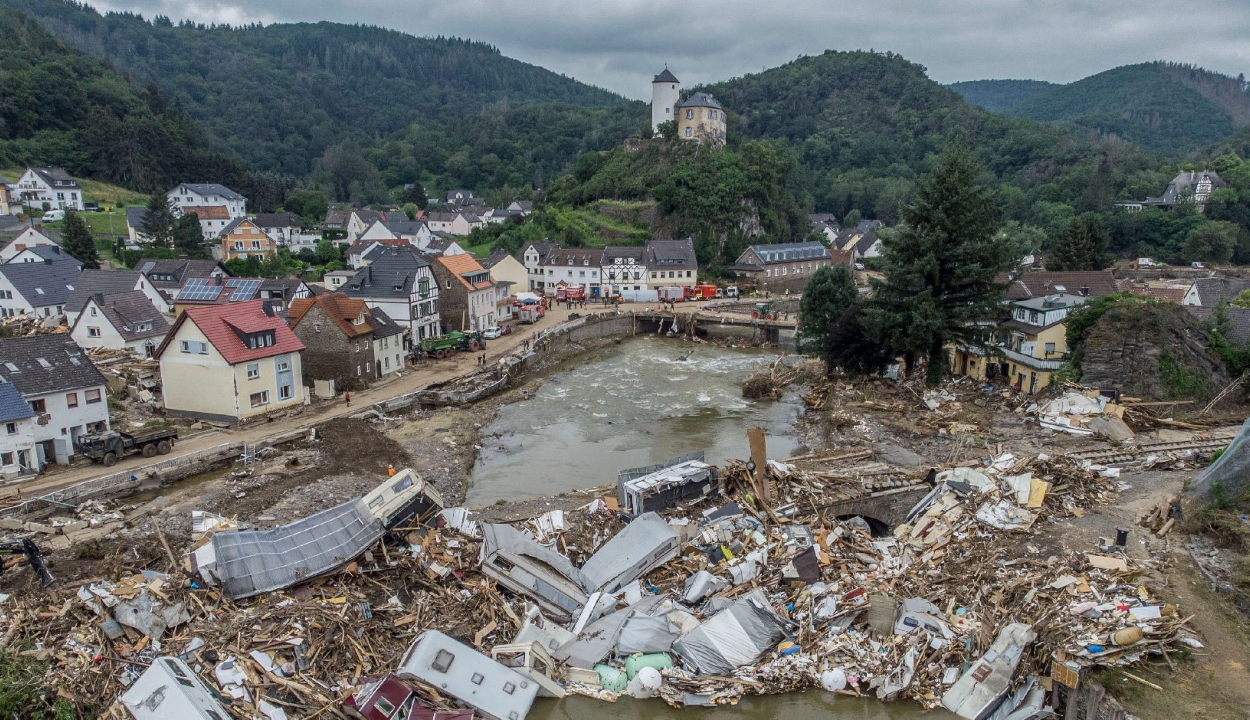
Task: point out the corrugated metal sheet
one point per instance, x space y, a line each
248 562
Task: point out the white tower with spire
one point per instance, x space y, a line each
665 92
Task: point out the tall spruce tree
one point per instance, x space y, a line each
1082 247
188 237
826 298
77 242
941 265
158 225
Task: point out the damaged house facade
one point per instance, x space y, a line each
346 341
230 362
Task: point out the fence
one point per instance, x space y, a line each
120 480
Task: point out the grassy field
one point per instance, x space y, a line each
100 224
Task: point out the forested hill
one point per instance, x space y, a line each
1000 95
280 95
1169 108
63 108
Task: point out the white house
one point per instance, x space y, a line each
41 288
532 257
95 282
574 267
28 238
48 189
457 223
121 321
17 439
337 278
39 254
189 196
401 283
624 270
64 389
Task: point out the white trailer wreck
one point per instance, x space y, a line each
464 673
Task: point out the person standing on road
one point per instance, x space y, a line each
348 397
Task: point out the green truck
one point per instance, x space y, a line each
446 345
107 447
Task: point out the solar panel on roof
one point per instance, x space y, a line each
199 289
244 288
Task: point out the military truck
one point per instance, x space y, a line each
107 447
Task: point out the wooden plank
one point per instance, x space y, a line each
1093 698
1069 710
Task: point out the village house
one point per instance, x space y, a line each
214 219
534 257
40 288
6 198
577 267
121 321
216 290
826 224
1209 292
400 281
1188 187
335 279
281 292
781 266
136 217
95 282
525 207
284 228
48 189
168 276
190 196
1089 283
624 271
356 254
62 387
230 362
346 340
416 232
17 442
505 268
27 238
467 295
42 254
242 239
700 117
671 262
458 224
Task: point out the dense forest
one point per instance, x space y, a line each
999 95
1166 107
61 107
280 95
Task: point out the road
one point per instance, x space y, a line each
416 377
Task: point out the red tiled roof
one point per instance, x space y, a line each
218 323
464 263
342 309
841 257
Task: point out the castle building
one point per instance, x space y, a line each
700 117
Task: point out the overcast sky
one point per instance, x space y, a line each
620 44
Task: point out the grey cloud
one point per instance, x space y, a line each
619 44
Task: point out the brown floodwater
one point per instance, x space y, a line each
812 705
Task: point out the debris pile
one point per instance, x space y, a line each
758 583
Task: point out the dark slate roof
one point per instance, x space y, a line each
1212 290
135 216
1040 284
50 253
65 366
390 275
180 269
868 225
574 257
700 99
1239 321
542 248
666 76
91 282
494 259
789 252
126 310
671 255
612 252
43 283
1187 181
212 189
12 406
824 219
10 222
383 325
277 220
56 177
866 242
404 227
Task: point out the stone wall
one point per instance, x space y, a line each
453 299
330 355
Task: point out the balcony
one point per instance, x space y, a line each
1018 357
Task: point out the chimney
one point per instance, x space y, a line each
267 308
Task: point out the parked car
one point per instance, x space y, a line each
492 332
859 266
54 216
507 329
1197 265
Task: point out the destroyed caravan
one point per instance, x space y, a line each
249 562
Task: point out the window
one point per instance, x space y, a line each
476 679
260 398
284 365
253 371
384 706
509 688
40 406
442 661
71 400
92 396
711 114
93 311
93 332
6 458
284 392
689 116
689 132
10 428
1050 348
386 363
357 344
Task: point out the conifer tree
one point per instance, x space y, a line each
77 242
1082 247
941 266
158 225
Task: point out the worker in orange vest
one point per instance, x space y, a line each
390 471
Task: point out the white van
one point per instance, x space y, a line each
54 216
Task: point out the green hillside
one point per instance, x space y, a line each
279 95
1169 108
999 95
61 107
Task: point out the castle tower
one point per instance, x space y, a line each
665 92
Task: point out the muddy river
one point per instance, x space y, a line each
629 405
637 404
